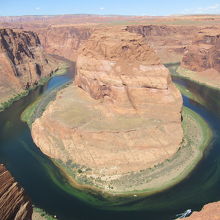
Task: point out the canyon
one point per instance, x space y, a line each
14 203
22 62
118 116
204 52
71 37
169 41
123 106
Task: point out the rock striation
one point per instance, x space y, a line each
64 40
123 114
169 41
14 203
22 62
204 52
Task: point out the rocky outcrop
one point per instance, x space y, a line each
64 40
168 41
22 62
210 211
121 116
14 203
204 53
118 67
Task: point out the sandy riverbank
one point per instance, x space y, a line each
207 78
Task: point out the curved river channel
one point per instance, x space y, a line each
42 180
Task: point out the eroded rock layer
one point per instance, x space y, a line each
22 62
204 52
14 203
122 115
169 41
64 40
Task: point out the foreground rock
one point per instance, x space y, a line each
209 212
22 62
14 203
123 114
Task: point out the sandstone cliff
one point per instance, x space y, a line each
14 203
64 40
204 52
121 116
22 62
168 41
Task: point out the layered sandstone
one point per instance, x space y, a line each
64 40
169 41
22 62
210 211
14 203
121 116
204 52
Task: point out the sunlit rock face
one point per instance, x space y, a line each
64 40
203 54
22 62
121 115
169 41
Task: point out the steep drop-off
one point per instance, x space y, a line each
14 203
64 40
204 52
22 62
201 60
168 41
122 116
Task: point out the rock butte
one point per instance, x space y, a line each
14 203
22 62
122 115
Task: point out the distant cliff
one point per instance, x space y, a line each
14 203
64 40
169 41
204 52
22 62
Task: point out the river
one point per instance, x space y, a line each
37 174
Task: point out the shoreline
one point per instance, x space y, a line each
62 68
153 187
181 73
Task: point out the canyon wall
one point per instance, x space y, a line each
168 41
64 40
204 52
123 114
22 62
14 203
